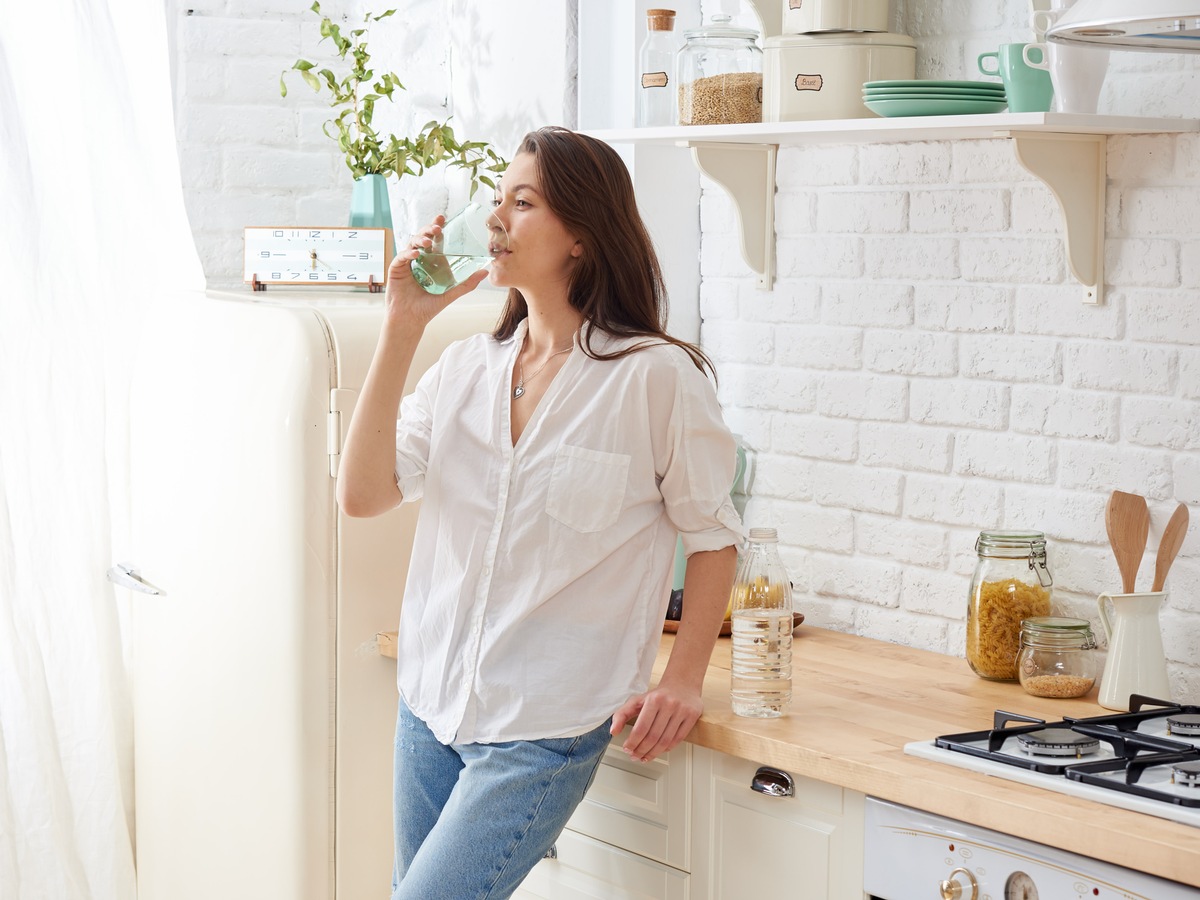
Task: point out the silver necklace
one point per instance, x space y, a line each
519 390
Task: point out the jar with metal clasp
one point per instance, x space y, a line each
1011 583
1055 659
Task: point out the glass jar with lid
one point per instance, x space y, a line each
719 74
1055 659
1011 583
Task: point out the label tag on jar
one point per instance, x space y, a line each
809 82
654 79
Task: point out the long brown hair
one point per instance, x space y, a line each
617 283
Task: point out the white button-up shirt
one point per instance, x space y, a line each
541 572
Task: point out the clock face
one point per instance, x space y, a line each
347 257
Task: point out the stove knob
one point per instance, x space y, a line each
952 889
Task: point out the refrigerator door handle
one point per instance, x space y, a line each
126 576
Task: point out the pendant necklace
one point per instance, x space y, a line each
519 390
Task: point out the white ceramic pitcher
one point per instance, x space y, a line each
1136 662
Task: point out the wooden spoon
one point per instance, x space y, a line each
1168 547
1128 523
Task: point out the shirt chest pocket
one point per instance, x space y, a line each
587 487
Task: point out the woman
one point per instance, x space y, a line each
557 458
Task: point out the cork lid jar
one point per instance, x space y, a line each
719 74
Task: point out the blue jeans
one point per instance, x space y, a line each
471 820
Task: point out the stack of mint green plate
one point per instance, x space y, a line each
933 98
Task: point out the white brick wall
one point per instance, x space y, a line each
923 368
960 383
250 157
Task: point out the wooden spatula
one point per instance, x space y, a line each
1168 547
1128 523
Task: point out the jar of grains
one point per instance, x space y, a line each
1055 659
719 74
1011 584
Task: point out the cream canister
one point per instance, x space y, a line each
821 76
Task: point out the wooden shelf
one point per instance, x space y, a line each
896 130
1066 152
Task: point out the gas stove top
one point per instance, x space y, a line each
1146 760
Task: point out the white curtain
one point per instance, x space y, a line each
92 228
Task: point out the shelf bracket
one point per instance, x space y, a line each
746 172
1073 166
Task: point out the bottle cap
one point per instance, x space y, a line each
764 535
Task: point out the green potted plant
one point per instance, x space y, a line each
373 157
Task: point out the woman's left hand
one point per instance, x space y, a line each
664 716
667 713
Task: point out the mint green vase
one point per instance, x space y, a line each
369 207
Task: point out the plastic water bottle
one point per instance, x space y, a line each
762 630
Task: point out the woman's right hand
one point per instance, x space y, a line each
406 301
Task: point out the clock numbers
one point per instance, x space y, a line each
303 255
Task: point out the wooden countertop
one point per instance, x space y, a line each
856 702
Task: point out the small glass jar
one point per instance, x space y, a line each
1011 583
719 74
1055 659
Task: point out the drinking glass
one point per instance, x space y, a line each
468 242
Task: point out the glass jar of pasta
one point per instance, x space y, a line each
1011 583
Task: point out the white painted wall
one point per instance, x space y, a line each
924 368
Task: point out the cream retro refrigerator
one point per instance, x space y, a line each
263 711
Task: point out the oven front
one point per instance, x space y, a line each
913 855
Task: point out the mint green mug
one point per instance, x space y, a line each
1026 88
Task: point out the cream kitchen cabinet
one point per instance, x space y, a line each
630 838
588 869
690 827
748 844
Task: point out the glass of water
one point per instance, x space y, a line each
468 242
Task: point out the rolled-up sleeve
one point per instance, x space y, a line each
697 456
414 430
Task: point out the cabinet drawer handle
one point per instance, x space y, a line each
773 782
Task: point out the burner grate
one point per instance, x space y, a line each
1055 748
